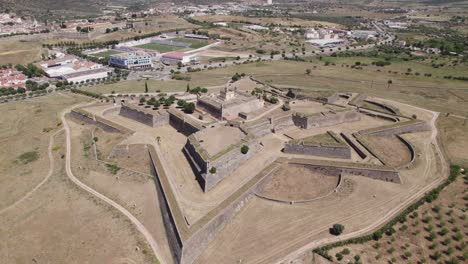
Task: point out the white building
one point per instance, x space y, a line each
73 69
311 34
256 27
173 58
83 76
364 34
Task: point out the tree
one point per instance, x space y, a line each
188 88
181 103
244 149
337 229
308 71
142 100
291 94
189 108
146 87
213 170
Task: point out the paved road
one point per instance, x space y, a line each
149 238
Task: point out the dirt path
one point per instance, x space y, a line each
49 173
390 214
149 238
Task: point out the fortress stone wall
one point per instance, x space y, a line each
325 119
86 119
374 172
340 152
409 127
152 118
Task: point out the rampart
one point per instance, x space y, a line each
375 172
152 118
99 122
338 149
325 119
410 126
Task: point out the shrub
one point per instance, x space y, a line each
244 149
345 251
339 256
112 168
337 229
28 157
213 170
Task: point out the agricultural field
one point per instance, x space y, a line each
265 21
148 25
434 233
429 92
20 52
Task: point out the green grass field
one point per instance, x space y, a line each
159 47
195 43
105 54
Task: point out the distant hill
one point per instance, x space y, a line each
68 8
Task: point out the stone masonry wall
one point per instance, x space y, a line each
195 245
153 120
175 242
91 121
227 164
411 128
341 152
326 120
377 174
181 125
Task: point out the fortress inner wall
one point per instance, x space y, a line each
341 152
158 118
182 124
325 119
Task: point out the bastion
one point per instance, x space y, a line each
215 152
147 116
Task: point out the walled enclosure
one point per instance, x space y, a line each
147 116
325 119
337 149
188 242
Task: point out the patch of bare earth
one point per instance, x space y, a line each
298 183
394 152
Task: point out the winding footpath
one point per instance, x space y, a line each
141 228
49 173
